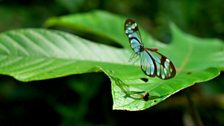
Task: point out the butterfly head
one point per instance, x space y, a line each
130 26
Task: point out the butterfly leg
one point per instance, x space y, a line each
133 58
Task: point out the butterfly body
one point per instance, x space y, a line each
152 62
131 29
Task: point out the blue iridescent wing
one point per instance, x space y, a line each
132 32
154 64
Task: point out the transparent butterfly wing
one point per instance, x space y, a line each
148 65
132 32
154 64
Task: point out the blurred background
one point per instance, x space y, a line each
86 99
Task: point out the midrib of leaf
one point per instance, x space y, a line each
185 59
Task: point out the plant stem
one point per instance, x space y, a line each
193 111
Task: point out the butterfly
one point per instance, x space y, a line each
152 62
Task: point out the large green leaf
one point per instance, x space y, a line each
37 54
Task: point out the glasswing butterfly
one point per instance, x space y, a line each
152 62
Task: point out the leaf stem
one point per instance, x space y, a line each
193 110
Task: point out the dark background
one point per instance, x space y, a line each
86 99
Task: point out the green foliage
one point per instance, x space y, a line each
37 54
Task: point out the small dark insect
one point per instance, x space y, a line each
146 96
144 79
